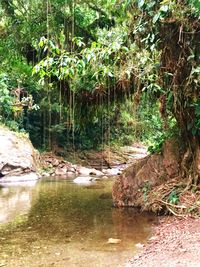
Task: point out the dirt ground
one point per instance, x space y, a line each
175 243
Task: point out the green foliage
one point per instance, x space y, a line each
89 64
194 125
12 112
156 141
6 100
173 197
195 4
146 189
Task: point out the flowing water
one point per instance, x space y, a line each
58 223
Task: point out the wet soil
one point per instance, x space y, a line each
175 243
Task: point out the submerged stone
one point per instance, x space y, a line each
114 241
84 180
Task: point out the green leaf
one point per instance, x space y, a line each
116 46
164 8
141 3
156 17
197 4
71 72
94 45
110 74
88 57
125 49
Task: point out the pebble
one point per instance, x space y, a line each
139 245
114 241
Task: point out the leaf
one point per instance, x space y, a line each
110 74
197 4
81 64
71 72
141 3
125 49
164 8
196 70
57 50
94 45
115 46
156 18
88 57
173 197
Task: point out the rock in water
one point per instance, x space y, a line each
83 180
139 245
112 172
88 171
18 159
114 240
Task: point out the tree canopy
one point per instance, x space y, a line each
81 61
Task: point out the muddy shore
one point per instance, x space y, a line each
175 243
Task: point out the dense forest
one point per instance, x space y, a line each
72 72
86 73
108 92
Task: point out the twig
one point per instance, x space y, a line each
172 205
174 213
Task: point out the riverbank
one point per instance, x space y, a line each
108 162
175 243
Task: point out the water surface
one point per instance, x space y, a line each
58 223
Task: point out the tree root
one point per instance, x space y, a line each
186 200
174 213
172 205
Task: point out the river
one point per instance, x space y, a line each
55 222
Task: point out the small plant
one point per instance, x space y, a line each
173 197
145 189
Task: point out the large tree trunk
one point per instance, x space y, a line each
163 179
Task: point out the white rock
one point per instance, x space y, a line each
70 173
60 171
55 162
114 241
83 180
96 172
71 169
139 245
16 151
45 174
111 171
84 171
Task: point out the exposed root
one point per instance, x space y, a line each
174 213
174 206
175 198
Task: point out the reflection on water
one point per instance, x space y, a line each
67 225
15 200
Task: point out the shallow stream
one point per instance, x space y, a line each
58 223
